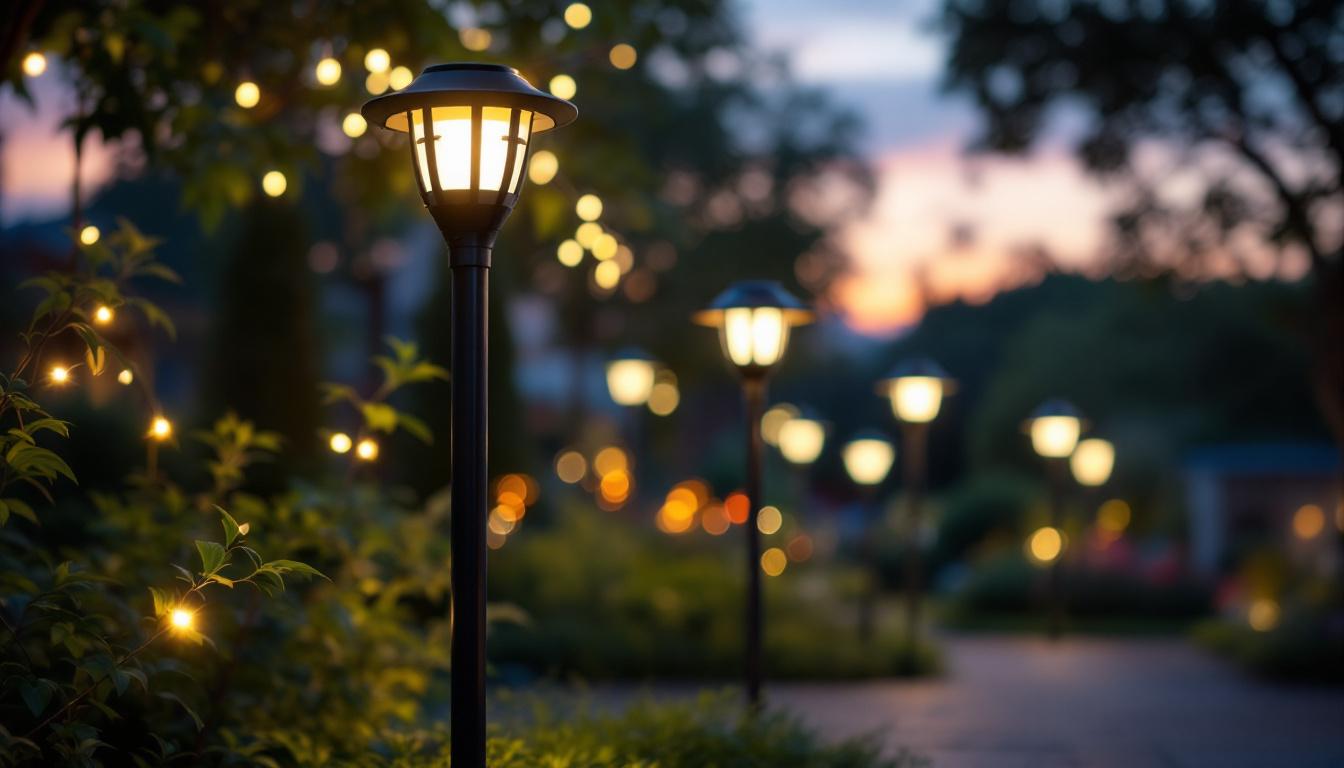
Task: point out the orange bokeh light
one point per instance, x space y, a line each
738 507
715 520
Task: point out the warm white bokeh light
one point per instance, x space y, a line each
60 374
274 183
589 207
630 381
89 235
801 440
181 619
340 442
103 315
1055 436
367 449
1092 461
542 167
400 77
754 336
868 460
564 87
570 253
578 15
1045 545
377 60
1263 615
769 520
916 399
34 64
1308 522
161 428
247 94
354 125
328 71
125 377
623 56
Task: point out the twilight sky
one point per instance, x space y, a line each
876 57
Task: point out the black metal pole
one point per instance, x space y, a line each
872 513
470 265
1058 470
754 390
916 476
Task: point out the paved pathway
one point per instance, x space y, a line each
1084 703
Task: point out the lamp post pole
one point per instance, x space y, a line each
1057 468
753 390
468 493
916 443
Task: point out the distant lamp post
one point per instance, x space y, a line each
916 389
754 318
1054 428
470 128
801 440
868 459
630 377
1092 462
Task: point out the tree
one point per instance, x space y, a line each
1247 94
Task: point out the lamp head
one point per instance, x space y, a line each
1092 461
471 127
630 376
868 457
802 438
754 318
916 388
1054 427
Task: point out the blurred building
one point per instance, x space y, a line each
1246 495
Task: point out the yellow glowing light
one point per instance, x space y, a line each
768 520
181 619
773 561
475 38
570 253
377 60
328 71
801 440
103 315
570 467
518 490
367 450
274 183
589 207
89 235
756 336
605 247
623 56
609 460
917 399
1264 615
34 64
1308 522
624 258
774 419
615 486
247 94
586 235
126 377
868 460
1113 516
1092 461
800 548
664 398
60 375
607 275
564 87
354 125
1055 436
502 137
1045 545
671 523
715 521
578 15
542 167
630 382
161 428
376 82
499 523
399 78
341 442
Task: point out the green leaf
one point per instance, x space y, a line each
226 582
158 270
294 566
61 428
380 417
36 696
161 601
175 698
230 527
416 427
334 393
156 316
212 556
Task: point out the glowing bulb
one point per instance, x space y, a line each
578 15
756 336
367 450
623 56
89 235
868 460
769 520
377 60
126 377
564 87
801 440
607 275
181 619
664 399
570 253
605 246
247 94
60 375
589 207
274 183
773 561
161 428
328 71
400 78
1055 436
354 125
630 382
376 82
917 399
103 315
1045 545
1092 461
543 167
34 64
340 442
586 235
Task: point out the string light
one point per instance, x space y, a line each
578 15
328 71
570 253
60 375
89 235
126 377
564 87
274 183
161 428
367 450
103 315
34 64
247 94
181 619
354 125
589 207
376 82
340 442
377 60
543 167
475 39
400 78
623 56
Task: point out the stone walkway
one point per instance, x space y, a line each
1017 702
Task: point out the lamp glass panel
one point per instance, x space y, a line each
917 398
869 460
1055 436
1092 461
756 336
737 330
451 135
630 381
801 440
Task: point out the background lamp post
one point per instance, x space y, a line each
916 389
1054 429
801 440
868 459
754 318
470 128
1092 462
630 376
